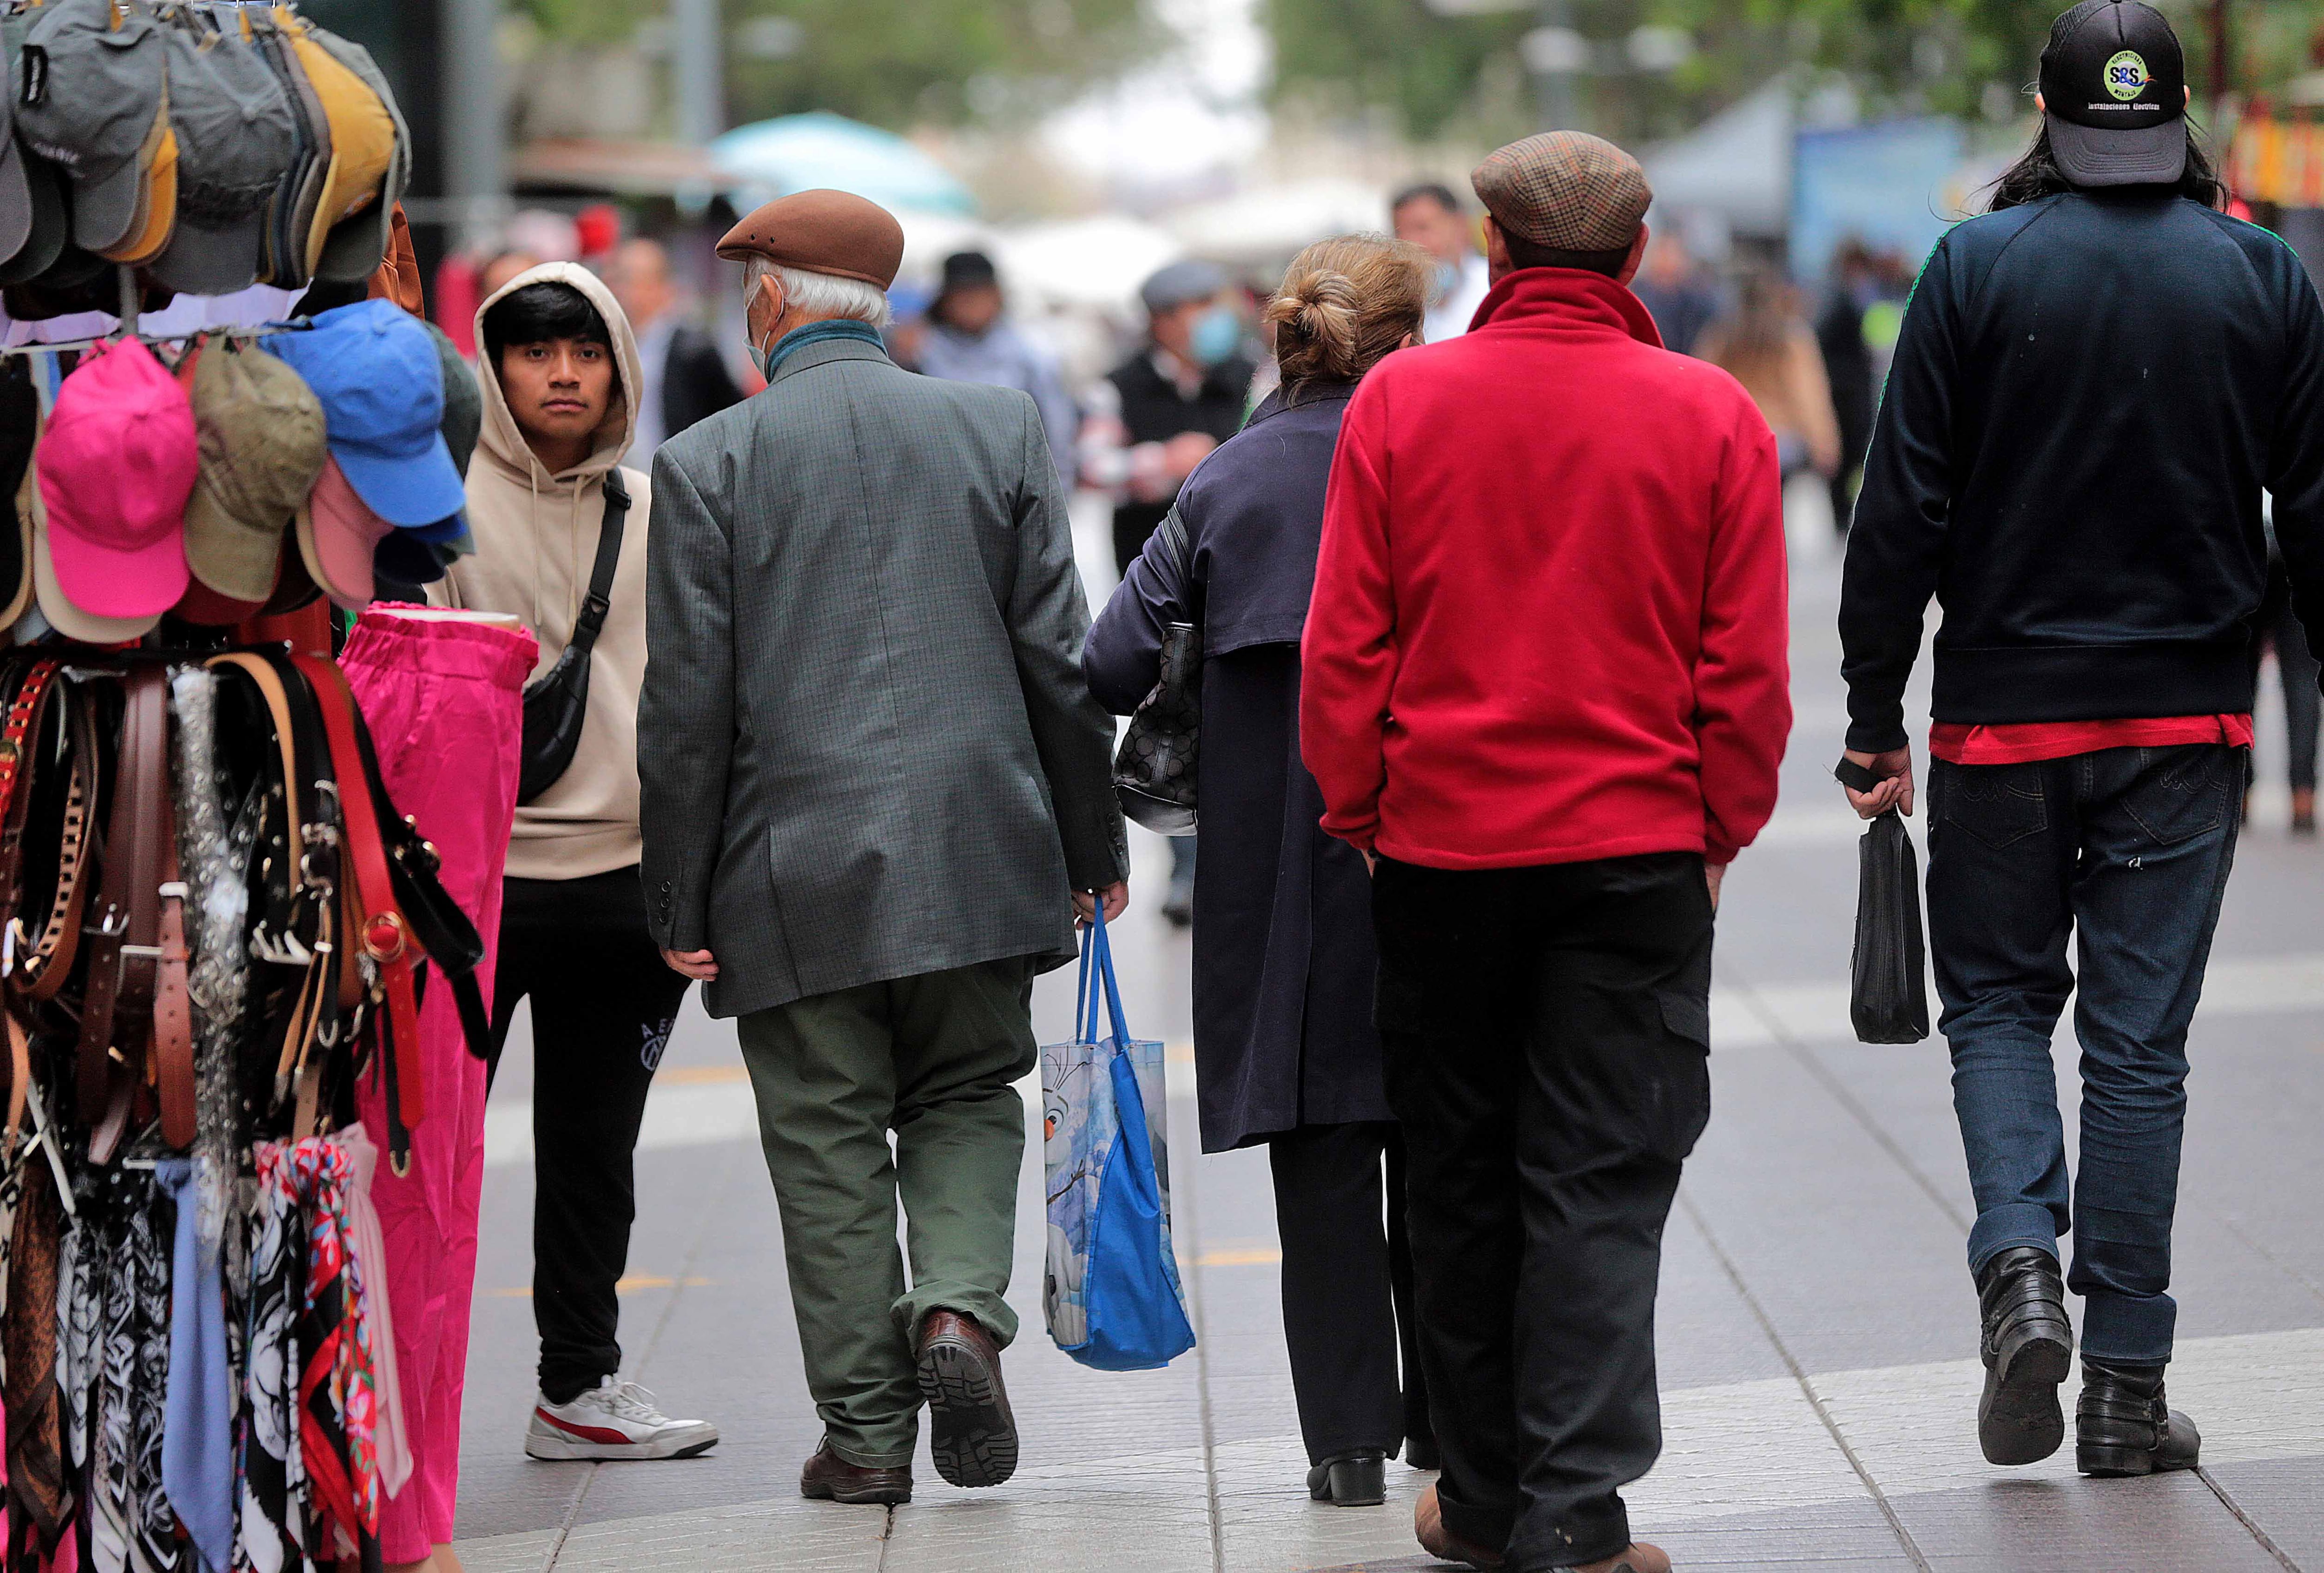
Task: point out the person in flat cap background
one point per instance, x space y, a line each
876 792
970 340
2092 512
1152 420
1549 816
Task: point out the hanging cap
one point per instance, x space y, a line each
363 151
2114 83
464 402
338 538
359 240
116 467
20 432
91 98
299 197
260 433
375 369
235 139
822 232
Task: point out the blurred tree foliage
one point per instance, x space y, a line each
1960 57
893 62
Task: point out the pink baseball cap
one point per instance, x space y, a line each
118 465
337 534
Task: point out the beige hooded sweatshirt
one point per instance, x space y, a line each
536 540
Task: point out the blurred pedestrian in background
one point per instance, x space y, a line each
1682 299
1152 420
499 268
876 789
1764 344
1284 959
969 339
2096 382
1544 685
683 377
556 365
1848 366
1433 218
2279 629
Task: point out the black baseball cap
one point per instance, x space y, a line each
2114 81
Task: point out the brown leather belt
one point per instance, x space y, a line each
125 940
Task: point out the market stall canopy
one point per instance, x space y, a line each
1097 262
1737 164
799 153
1271 224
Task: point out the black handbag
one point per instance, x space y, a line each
558 701
1154 770
1887 997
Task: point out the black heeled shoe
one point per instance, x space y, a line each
2029 1350
2123 1425
1357 1479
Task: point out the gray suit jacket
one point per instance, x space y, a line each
866 747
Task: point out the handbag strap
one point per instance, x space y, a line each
600 599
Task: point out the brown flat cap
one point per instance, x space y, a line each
1565 189
822 232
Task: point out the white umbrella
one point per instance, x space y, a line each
1271 223
1097 262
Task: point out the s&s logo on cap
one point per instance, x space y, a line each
2126 75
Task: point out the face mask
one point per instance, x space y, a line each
1217 334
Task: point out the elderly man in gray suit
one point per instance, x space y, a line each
876 789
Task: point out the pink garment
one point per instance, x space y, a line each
444 702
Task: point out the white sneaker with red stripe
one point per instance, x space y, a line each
614 1420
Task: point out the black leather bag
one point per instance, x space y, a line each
1154 770
1888 995
558 701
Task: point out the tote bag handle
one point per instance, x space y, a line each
1095 981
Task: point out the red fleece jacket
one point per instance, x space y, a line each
1550 617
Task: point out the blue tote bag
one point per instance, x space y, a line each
1110 1290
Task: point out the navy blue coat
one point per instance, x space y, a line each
1283 932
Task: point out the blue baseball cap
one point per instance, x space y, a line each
374 367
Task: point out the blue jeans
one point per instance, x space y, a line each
2130 849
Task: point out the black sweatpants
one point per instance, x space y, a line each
602 1005
1548 1034
1347 1316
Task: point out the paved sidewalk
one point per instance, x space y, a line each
1817 1327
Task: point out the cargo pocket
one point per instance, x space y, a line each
2182 792
1676 1102
1999 804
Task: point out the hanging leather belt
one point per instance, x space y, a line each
41 961
374 922
308 935
125 941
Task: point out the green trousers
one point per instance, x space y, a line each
933 1058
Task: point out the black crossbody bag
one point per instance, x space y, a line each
556 702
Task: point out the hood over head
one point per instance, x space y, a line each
502 444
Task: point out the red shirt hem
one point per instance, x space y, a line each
2027 743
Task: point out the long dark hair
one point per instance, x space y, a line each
2036 175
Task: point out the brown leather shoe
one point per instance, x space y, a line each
1428 1523
971 1431
1639 1559
828 1477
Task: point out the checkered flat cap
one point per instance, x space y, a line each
1565 189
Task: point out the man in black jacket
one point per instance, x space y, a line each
2094 385
686 377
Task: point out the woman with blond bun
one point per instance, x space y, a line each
1284 1043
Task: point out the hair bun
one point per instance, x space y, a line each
1344 304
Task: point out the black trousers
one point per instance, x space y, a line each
1548 1036
602 1005
1347 1287
2278 625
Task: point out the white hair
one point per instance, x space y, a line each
819 294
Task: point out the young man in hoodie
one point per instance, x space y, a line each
558 364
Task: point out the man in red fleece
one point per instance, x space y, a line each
1545 686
